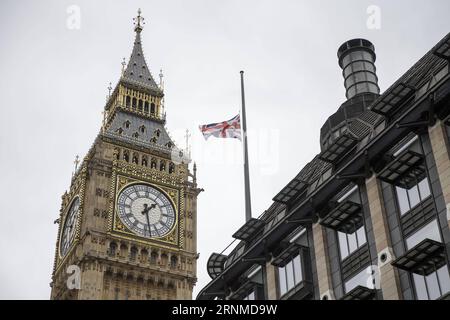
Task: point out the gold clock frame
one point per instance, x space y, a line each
124 175
77 189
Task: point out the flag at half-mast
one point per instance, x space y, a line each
225 129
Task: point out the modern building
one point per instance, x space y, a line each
127 225
368 217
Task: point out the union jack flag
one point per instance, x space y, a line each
225 129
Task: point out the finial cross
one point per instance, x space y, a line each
139 20
187 136
76 162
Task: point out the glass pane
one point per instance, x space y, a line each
430 231
251 296
343 244
413 194
361 233
352 242
433 287
364 279
421 290
282 280
402 198
444 279
424 189
290 276
297 270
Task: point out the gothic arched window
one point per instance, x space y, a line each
123 250
141 105
135 158
144 161
134 103
171 167
126 155
142 129
152 108
133 253
144 255
146 107
153 163
173 262
164 259
127 101
162 166
127 124
154 257
112 249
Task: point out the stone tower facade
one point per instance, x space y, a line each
127 224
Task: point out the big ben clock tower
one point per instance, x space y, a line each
127 224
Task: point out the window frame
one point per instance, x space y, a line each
407 192
285 278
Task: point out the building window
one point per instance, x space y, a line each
290 275
154 257
436 284
140 105
173 262
152 108
112 249
365 279
133 253
250 296
429 231
146 107
128 101
432 286
349 243
409 198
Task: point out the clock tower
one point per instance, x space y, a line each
127 224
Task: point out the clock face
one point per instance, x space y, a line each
146 211
69 227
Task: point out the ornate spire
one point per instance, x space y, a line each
138 22
137 72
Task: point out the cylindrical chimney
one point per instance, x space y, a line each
357 60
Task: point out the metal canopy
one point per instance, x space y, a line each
359 293
243 290
443 51
388 103
405 170
285 256
291 191
215 264
346 217
247 231
338 149
425 258
445 296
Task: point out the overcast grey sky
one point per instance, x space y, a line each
54 80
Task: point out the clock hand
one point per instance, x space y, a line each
145 211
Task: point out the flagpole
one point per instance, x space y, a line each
248 204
